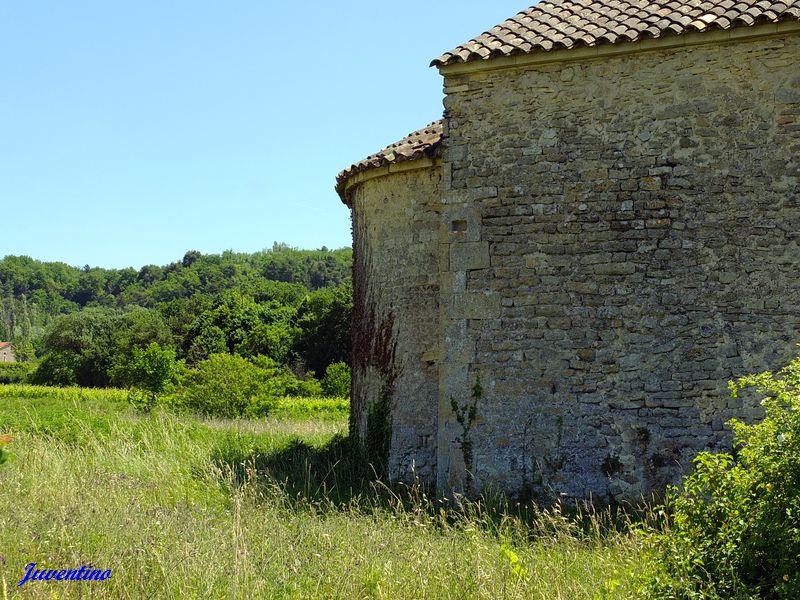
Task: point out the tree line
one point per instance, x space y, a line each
83 325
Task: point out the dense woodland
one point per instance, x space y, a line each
83 325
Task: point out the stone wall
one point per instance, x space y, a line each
395 326
619 237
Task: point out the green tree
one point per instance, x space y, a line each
88 336
190 258
337 380
229 302
98 339
324 319
57 368
210 341
150 370
24 350
139 327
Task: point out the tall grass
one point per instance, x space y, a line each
181 507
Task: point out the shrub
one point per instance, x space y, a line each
223 385
58 369
231 386
294 386
734 530
336 382
149 370
16 372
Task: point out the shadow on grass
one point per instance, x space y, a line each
335 474
337 477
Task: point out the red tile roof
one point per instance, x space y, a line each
563 24
424 142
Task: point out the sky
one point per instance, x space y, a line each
131 132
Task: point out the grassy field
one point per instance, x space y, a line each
181 507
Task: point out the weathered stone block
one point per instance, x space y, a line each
469 255
476 305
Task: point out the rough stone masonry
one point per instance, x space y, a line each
598 240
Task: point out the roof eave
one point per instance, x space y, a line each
424 143
346 184
584 53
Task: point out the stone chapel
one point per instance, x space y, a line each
555 281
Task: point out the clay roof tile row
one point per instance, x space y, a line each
424 142
564 24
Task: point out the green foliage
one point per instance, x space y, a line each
222 385
296 386
299 407
337 380
59 288
734 530
62 394
281 407
210 341
139 327
324 319
84 347
57 368
24 350
92 326
231 386
16 372
269 339
149 370
512 560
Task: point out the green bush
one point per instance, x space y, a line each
222 385
228 385
149 371
280 381
16 372
734 528
336 382
57 369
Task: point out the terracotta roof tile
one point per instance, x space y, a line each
424 142
554 24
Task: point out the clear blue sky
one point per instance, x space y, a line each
131 132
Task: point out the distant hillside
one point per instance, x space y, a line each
240 300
